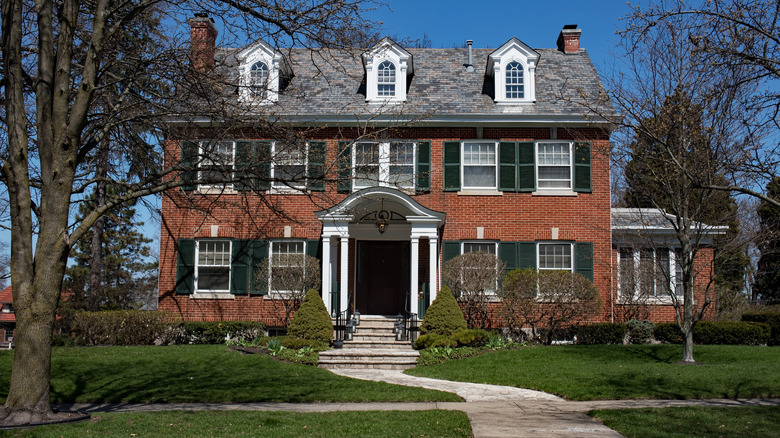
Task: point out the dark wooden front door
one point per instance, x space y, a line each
382 277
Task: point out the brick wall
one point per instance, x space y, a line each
509 217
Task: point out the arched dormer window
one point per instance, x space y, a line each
258 80
514 81
386 79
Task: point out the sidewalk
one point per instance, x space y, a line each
495 411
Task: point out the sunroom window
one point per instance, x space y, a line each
649 272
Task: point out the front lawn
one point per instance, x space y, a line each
598 372
201 373
754 422
434 423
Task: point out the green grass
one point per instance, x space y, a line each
754 422
434 423
597 372
201 373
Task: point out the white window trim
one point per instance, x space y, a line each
553 191
384 165
387 50
513 51
215 188
394 83
555 242
261 52
476 190
278 187
272 294
666 298
212 294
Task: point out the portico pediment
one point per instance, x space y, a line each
363 202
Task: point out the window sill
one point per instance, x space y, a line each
212 296
216 191
480 192
287 191
554 193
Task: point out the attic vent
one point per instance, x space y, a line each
470 64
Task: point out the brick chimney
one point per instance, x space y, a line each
203 38
569 39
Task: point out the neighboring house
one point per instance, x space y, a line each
411 157
7 317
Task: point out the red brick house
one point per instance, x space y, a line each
410 158
7 317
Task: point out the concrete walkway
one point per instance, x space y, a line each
494 411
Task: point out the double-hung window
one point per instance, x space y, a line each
386 79
289 164
553 165
555 257
212 267
216 164
384 164
287 263
479 165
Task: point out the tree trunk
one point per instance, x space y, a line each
96 253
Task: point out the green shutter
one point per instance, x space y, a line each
582 167
189 161
345 167
450 250
316 170
583 259
507 166
258 255
526 255
262 150
423 171
526 171
185 266
314 248
507 253
239 266
243 165
451 166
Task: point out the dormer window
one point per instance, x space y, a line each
386 79
262 73
388 71
513 68
258 80
514 81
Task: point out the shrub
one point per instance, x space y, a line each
118 327
731 333
668 333
601 333
297 343
640 331
472 278
311 321
470 337
433 340
771 318
305 355
216 332
444 316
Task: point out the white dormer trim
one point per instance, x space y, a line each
260 51
387 50
513 50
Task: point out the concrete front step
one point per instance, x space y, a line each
376 358
370 344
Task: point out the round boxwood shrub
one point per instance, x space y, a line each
433 340
311 321
640 331
444 316
600 333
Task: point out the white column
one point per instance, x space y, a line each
433 269
415 256
344 265
326 284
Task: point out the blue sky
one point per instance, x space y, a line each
492 23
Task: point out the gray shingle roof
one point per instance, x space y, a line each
328 83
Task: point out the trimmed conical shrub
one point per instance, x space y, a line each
443 317
311 321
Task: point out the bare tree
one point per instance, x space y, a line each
473 278
62 98
547 301
286 280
